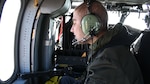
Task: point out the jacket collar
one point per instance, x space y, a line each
106 38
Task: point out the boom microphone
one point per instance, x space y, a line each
85 38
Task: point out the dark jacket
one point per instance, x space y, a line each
113 63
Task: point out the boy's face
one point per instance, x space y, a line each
76 27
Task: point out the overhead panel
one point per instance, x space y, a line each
123 1
128 1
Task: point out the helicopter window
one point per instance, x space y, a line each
7 36
135 20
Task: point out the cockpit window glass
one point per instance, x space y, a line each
113 17
7 37
134 19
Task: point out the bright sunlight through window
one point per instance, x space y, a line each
7 36
134 20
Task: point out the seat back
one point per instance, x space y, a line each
143 55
